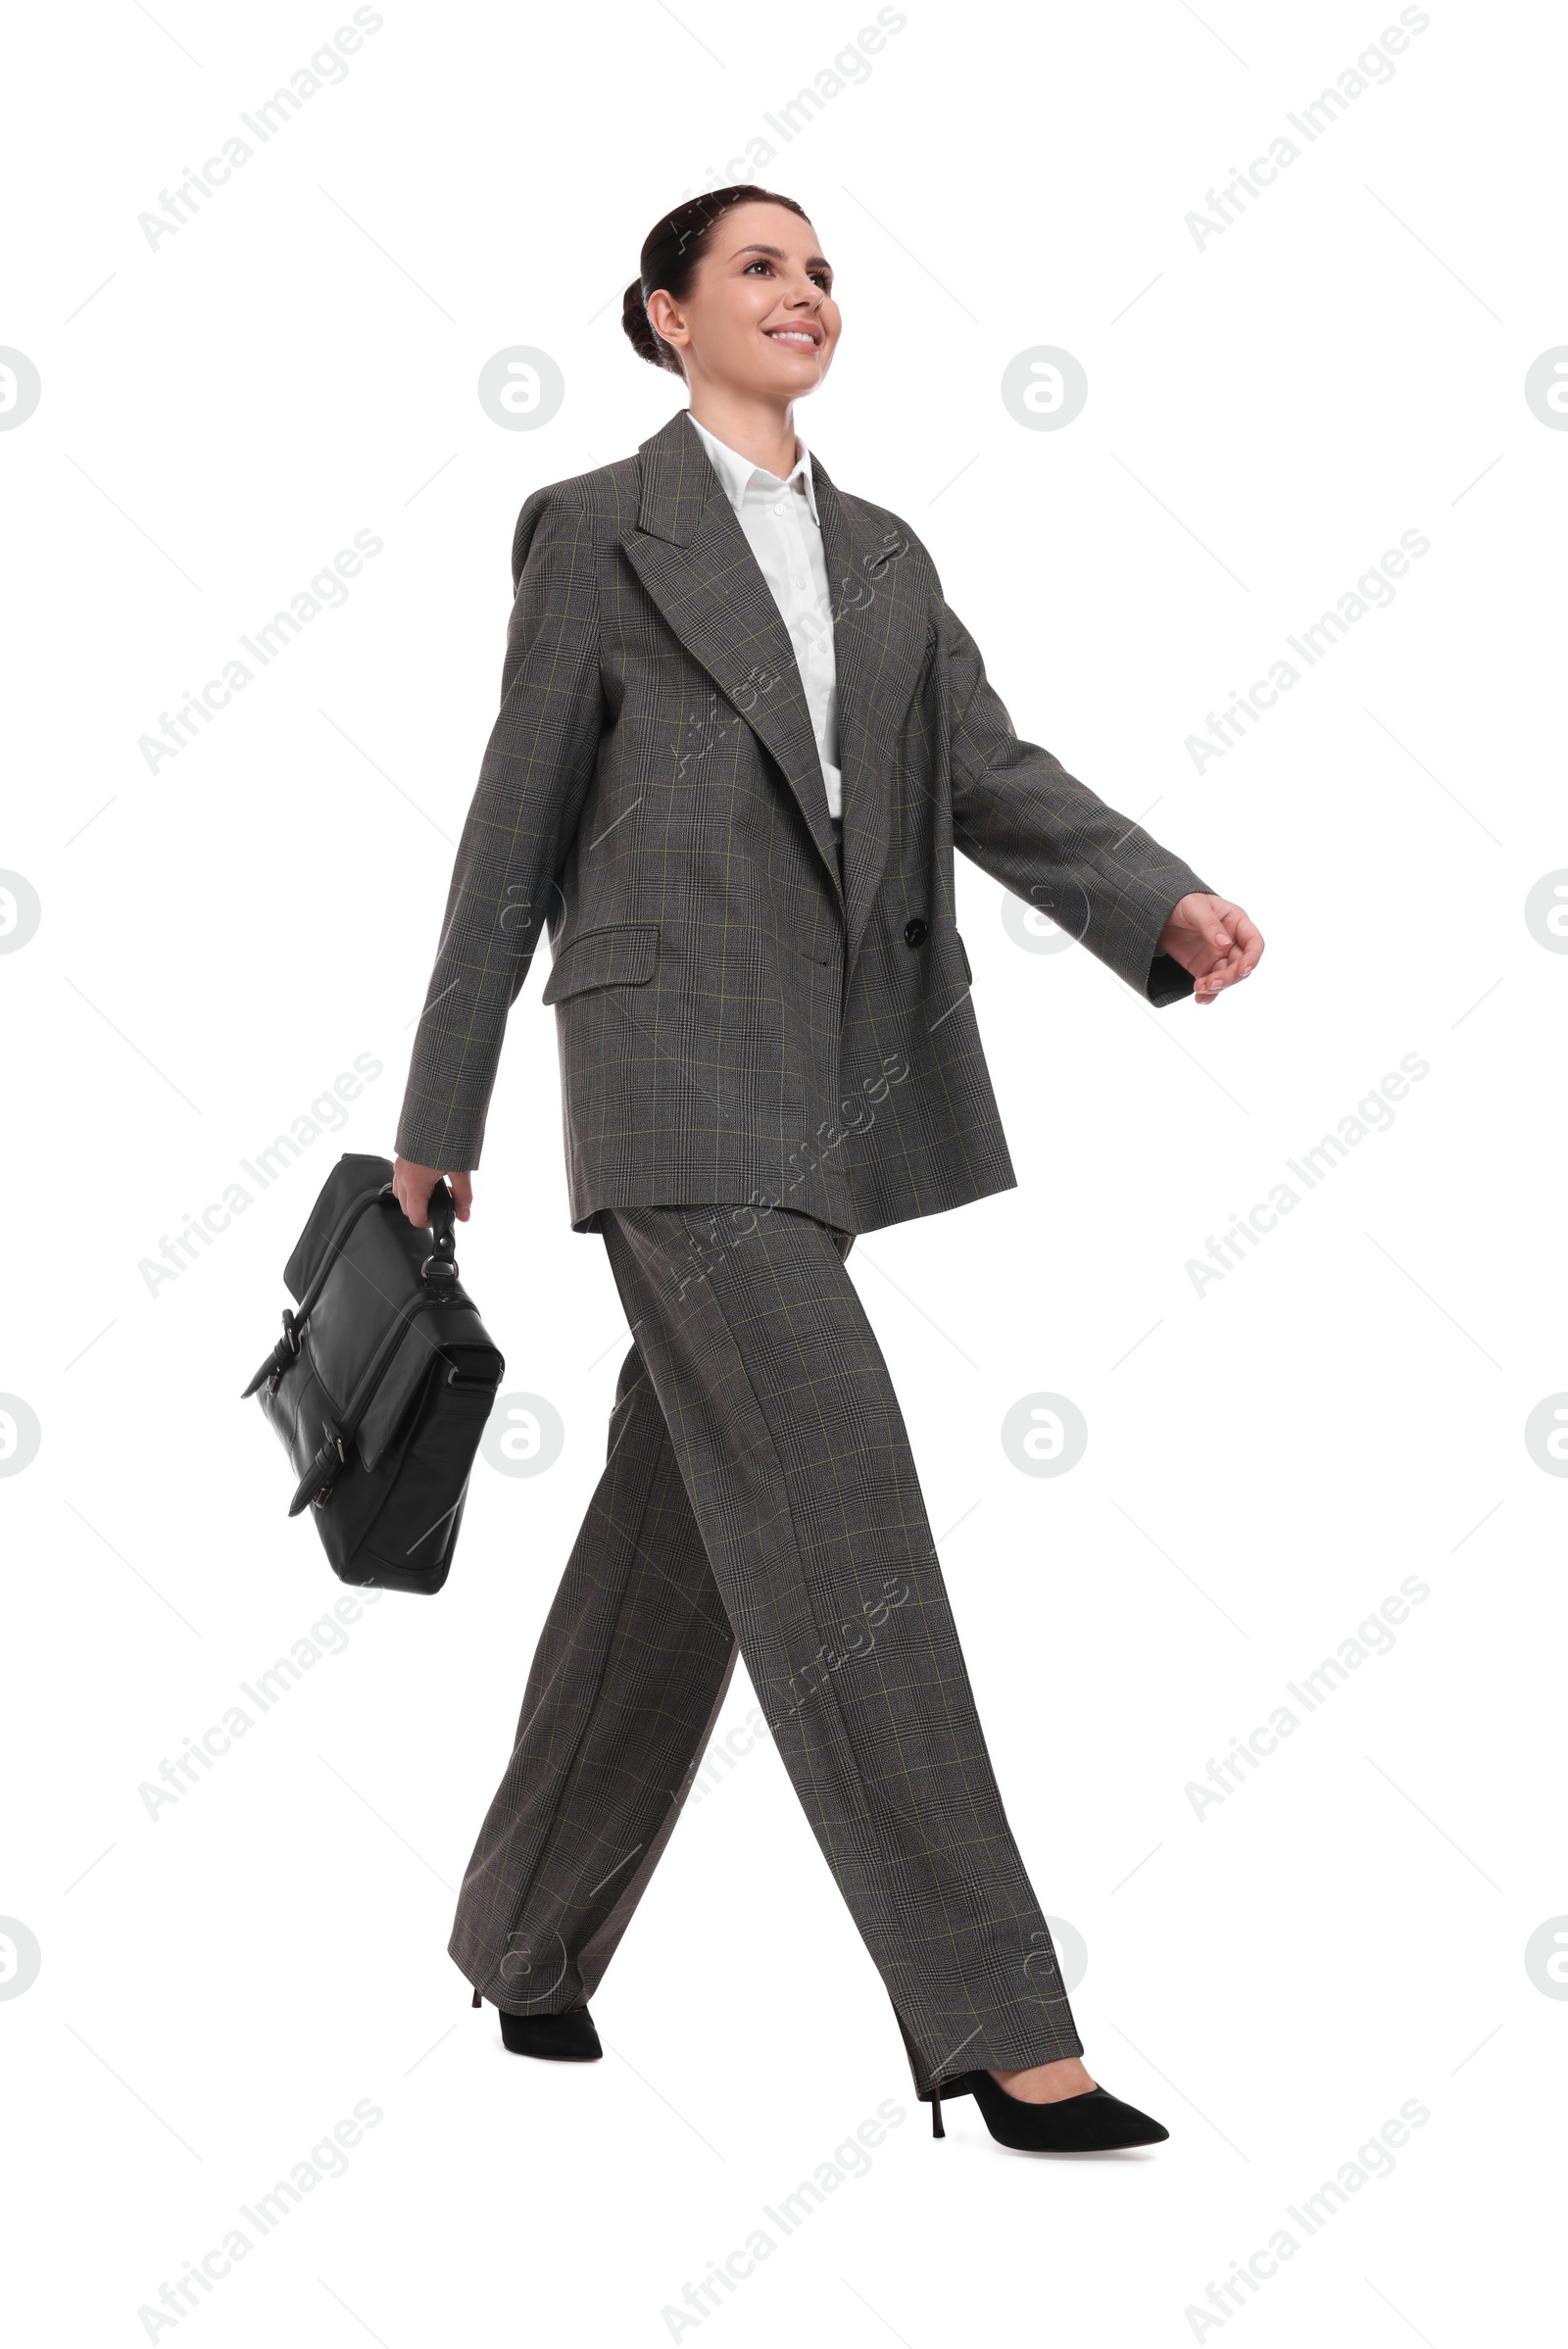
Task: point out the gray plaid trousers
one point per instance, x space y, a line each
759 1494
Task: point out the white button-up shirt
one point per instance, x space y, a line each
781 526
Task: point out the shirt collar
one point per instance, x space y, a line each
737 472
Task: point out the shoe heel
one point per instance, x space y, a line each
477 2000
937 2129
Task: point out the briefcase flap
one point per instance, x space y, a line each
379 1319
447 1345
355 1174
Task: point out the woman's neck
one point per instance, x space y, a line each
754 428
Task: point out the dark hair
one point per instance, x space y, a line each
671 253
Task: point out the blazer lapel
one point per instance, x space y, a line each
879 641
693 556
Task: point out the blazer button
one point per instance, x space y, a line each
913 930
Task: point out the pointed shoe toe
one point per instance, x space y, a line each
1093 2122
559 2038
568 2039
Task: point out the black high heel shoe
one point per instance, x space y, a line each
1094 2122
560 2038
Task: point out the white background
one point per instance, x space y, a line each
1267 1462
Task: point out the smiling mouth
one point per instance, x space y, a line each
794 337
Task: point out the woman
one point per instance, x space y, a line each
740 734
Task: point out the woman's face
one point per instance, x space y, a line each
761 318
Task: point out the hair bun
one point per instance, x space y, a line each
639 333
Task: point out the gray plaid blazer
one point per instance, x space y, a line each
739 1020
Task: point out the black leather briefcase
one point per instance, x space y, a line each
381 1382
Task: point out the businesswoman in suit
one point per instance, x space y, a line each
741 733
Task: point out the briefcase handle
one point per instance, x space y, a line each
442 1264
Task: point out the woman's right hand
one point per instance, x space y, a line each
412 1185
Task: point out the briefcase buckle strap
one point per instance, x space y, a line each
316 1485
279 1360
287 1346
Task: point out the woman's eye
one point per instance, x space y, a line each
819 276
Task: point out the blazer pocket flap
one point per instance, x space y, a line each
619 955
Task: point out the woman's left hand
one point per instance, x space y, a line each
1212 939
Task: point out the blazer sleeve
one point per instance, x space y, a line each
533 780
1035 828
